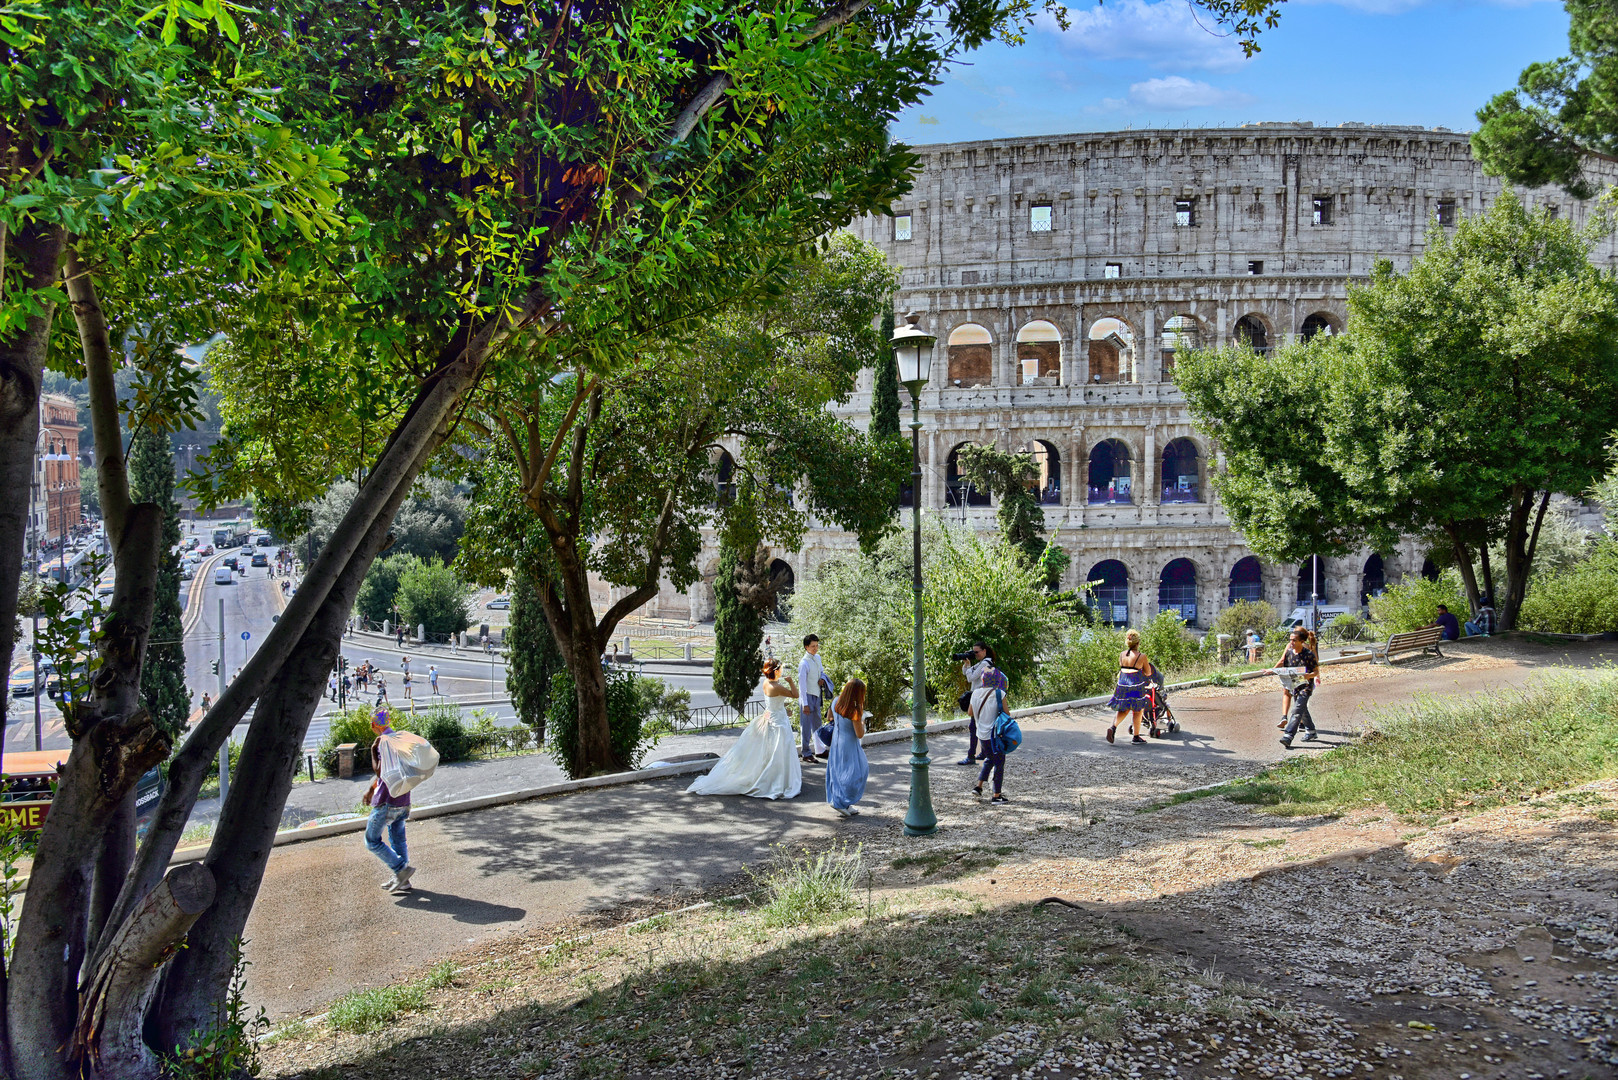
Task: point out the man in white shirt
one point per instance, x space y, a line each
813 688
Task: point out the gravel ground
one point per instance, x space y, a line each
1205 939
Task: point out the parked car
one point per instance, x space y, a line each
499 603
22 682
187 572
207 550
260 559
222 575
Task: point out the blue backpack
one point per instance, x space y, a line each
1007 735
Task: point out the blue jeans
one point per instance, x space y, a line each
1300 711
993 764
391 818
1473 629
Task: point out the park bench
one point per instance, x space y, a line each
1423 641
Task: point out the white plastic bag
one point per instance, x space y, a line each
407 760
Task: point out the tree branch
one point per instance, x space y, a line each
112 476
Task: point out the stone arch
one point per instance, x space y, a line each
785 582
1255 331
1429 569
1247 580
1182 473
1320 322
1181 332
1109 473
1047 486
971 356
1039 354
1306 580
1112 352
1177 589
724 477
1109 592
957 490
1373 578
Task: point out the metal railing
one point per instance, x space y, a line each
706 718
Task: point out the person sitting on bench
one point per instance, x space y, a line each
1448 623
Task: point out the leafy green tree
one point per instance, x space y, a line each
532 658
433 595
738 630
1009 477
1413 602
379 592
1053 564
163 690
1462 396
428 525
1578 598
89 491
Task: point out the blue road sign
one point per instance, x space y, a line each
245 635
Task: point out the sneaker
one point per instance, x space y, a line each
842 811
1286 743
390 884
406 872
853 811
1111 731
998 800
965 761
1137 739
1310 736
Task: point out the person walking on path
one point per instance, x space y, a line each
381 688
1129 695
1302 652
980 658
408 696
432 678
986 703
847 768
813 688
331 685
388 813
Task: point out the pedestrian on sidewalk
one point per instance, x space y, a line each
813 688
381 688
389 813
1302 652
974 662
432 677
331 685
985 710
847 767
1129 695
407 685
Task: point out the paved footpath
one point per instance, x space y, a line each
323 926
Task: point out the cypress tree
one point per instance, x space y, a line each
163 690
738 629
533 656
885 391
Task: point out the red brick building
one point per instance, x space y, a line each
56 468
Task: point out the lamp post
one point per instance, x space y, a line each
913 351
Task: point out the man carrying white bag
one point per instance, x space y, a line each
400 760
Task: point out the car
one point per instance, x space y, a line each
103 590
208 550
499 603
260 559
247 549
193 558
187 572
265 541
222 575
22 682
231 562
192 544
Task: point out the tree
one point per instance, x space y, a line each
885 387
428 525
1463 394
532 658
433 595
1009 477
379 592
1561 111
738 630
163 690
89 491
628 499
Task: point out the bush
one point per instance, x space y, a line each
1349 627
1085 665
1578 599
1245 615
441 725
350 726
380 589
1167 645
812 888
629 705
1413 603
433 596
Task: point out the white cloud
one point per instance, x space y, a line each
1179 92
1165 34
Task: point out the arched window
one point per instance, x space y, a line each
724 484
1109 592
783 581
1312 579
1318 323
1109 473
1247 580
1039 354
1250 331
1373 579
1181 477
956 490
1048 484
971 356
1112 352
1429 570
1177 590
1179 335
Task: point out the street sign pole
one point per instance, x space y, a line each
224 747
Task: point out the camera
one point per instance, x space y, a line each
968 655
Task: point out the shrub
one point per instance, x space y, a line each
1413 603
1086 664
380 588
441 725
1349 627
629 705
351 726
433 596
812 888
1578 599
1245 615
1166 644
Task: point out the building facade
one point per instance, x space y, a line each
1061 275
55 506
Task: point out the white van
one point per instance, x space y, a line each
1303 616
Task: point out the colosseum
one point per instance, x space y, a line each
1062 273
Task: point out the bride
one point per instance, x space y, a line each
764 761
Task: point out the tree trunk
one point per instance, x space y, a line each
117 852
199 979
109 1037
1463 562
1517 555
22 372
1488 569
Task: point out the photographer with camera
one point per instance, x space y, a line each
975 663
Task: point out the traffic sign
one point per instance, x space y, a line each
245 635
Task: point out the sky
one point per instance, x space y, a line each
1148 63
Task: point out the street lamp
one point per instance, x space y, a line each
913 351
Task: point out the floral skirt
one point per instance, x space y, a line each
1130 693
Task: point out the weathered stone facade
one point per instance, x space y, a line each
1060 273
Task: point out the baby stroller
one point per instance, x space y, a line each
1157 712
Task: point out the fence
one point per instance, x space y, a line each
690 721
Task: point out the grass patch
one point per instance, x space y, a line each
1446 754
1187 796
365 1011
1261 844
812 888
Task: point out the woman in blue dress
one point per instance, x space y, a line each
847 768
1129 696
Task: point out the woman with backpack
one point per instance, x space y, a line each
847 768
987 702
1129 695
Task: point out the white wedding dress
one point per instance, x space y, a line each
764 761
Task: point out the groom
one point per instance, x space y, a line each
811 682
